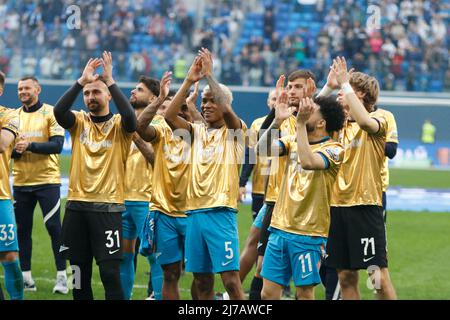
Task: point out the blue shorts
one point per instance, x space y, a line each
8 227
212 241
170 233
133 219
260 217
291 255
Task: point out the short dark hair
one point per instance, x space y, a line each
2 79
302 74
151 84
332 112
29 78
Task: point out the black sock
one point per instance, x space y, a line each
82 289
110 275
256 288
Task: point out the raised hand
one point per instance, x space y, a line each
164 85
310 88
107 68
193 95
279 87
282 110
207 61
340 69
331 79
88 75
195 73
305 110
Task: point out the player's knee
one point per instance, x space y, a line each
53 227
305 293
348 278
204 283
110 272
172 273
10 256
232 284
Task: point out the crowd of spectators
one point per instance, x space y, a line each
406 45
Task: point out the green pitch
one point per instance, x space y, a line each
418 256
426 178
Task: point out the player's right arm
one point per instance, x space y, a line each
63 115
357 109
194 75
144 129
6 138
269 145
9 131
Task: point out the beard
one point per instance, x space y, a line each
136 104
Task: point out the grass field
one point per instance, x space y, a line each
426 178
418 250
418 256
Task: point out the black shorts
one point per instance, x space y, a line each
257 203
265 233
384 206
91 234
357 238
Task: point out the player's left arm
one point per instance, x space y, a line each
308 160
223 100
145 148
357 109
390 148
129 121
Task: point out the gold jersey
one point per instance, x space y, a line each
278 164
138 176
171 170
99 155
359 179
9 120
216 158
391 136
303 205
262 165
33 168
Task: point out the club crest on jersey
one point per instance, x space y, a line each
334 153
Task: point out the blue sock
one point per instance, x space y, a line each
13 279
157 278
127 274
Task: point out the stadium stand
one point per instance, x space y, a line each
253 41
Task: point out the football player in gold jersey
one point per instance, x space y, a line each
170 178
357 237
301 217
390 150
138 187
301 84
260 171
92 225
9 246
37 178
217 149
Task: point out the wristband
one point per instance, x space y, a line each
347 88
325 92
